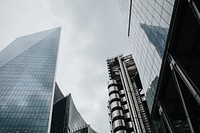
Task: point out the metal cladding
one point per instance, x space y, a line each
126 110
121 131
116 114
118 125
114 96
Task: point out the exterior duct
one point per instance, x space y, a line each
125 104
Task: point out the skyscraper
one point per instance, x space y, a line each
164 35
127 110
27 76
147 26
66 118
27 83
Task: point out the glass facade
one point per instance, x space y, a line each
148 23
66 118
27 78
75 119
86 129
58 94
60 115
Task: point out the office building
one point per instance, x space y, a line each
164 37
27 76
66 118
27 83
147 26
127 110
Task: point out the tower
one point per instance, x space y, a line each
127 110
31 100
27 78
164 38
67 119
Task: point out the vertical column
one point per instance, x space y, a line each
116 113
172 66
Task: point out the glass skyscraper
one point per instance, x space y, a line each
66 118
164 36
147 26
28 89
27 77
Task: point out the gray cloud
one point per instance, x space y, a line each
91 31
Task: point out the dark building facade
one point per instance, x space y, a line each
28 89
66 118
127 110
165 41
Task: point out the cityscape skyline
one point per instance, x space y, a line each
93 31
84 45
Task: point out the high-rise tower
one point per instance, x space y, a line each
27 78
28 91
127 110
66 118
147 26
165 41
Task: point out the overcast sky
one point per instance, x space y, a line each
92 30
